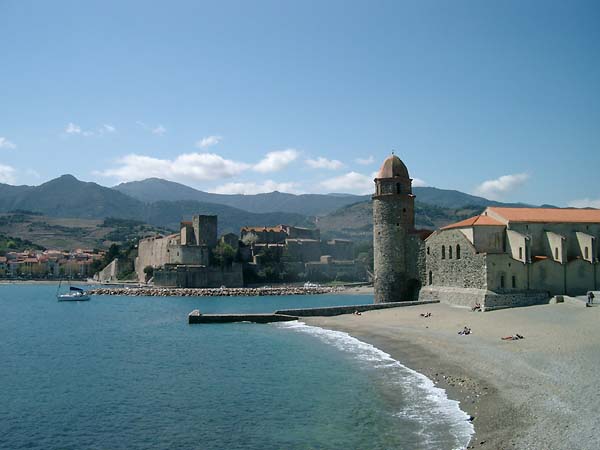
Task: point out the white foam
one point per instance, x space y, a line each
426 404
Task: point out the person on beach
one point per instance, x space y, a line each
465 331
357 313
590 298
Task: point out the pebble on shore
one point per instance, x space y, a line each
214 292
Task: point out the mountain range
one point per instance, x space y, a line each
164 203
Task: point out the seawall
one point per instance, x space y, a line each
348 309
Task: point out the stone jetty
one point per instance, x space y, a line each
214 292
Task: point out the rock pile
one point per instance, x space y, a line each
214 292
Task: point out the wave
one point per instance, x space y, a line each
439 419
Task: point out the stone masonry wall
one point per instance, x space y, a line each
468 271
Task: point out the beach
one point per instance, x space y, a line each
539 392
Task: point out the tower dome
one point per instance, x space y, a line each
393 167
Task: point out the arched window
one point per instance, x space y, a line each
514 281
397 188
430 278
502 281
449 252
428 250
556 253
586 253
443 252
520 252
457 251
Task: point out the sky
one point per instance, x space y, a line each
494 98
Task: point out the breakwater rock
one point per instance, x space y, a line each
214 292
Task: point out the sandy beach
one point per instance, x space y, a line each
536 393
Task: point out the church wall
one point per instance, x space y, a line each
501 268
580 277
489 239
548 275
466 272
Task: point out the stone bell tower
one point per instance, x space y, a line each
393 223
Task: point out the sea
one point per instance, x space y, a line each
130 373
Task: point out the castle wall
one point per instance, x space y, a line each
205 230
199 276
303 250
152 252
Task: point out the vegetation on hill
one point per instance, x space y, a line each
15 244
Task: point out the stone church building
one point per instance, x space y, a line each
501 258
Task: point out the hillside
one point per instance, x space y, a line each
356 221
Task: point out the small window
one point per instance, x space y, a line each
586 253
520 252
449 252
457 251
514 281
443 252
502 281
430 278
556 253
428 250
397 188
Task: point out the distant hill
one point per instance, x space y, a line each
356 221
156 189
69 197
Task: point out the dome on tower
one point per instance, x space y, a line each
393 167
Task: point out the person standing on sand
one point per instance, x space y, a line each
590 298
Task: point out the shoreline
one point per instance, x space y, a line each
526 394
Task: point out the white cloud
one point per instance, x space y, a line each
417 182
365 161
274 161
7 174
191 166
350 183
107 128
5 143
494 189
208 141
159 130
256 188
585 203
324 163
73 128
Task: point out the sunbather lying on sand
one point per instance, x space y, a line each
465 331
428 314
514 337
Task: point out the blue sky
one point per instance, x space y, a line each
500 99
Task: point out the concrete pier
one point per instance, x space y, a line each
196 317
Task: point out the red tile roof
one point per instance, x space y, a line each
548 215
473 222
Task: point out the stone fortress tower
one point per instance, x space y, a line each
396 256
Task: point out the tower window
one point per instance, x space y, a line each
397 188
457 251
514 281
430 278
443 252
449 252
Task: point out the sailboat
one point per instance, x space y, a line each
75 294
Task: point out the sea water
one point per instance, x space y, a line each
130 373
